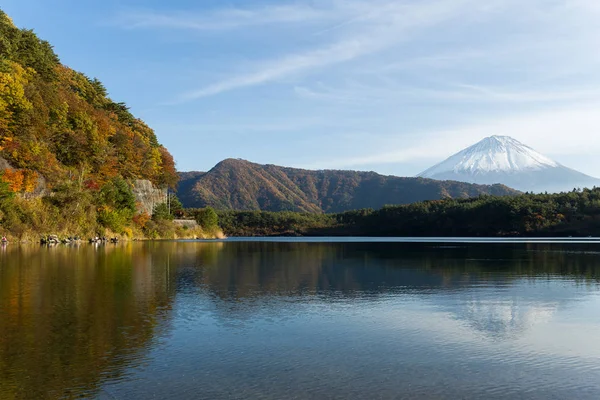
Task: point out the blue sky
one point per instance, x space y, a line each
391 86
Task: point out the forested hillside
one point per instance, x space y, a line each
61 124
68 153
575 213
242 185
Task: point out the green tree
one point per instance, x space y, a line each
176 207
161 212
5 192
118 194
208 219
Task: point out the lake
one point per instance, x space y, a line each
301 319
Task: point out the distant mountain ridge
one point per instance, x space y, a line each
242 185
502 159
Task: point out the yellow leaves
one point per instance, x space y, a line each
12 84
6 20
30 181
156 160
13 79
66 121
36 149
59 116
83 121
5 141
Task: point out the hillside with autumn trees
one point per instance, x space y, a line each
235 184
69 154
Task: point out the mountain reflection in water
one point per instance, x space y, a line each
247 319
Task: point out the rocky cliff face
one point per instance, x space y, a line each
4 164
147 196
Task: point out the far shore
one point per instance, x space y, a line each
334 239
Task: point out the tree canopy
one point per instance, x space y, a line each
207 218
69 154
62 124
575 213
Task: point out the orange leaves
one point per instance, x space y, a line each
58 125
5 142
91 184
20 180
141 219
14 178
169 175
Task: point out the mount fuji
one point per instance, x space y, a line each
502 159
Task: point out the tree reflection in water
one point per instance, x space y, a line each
74 318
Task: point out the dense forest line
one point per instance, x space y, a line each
575 213
69 154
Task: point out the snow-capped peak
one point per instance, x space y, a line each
493 154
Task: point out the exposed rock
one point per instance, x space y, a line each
4 164
189 223
147 196
40 189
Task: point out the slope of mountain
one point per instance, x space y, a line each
73 162
502 159
61 124
242 185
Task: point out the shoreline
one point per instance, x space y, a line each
337 239
120 239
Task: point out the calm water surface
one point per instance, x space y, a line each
301 320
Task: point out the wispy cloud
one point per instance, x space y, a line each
221 19
293 64
356 93
366 28
558 132
418 79
484 94
388 25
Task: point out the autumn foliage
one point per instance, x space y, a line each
141 220
61 124
20 181
69 154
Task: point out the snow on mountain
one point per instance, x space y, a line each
495 153
502 159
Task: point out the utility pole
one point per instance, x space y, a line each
168 202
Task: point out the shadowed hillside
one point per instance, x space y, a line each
242 185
